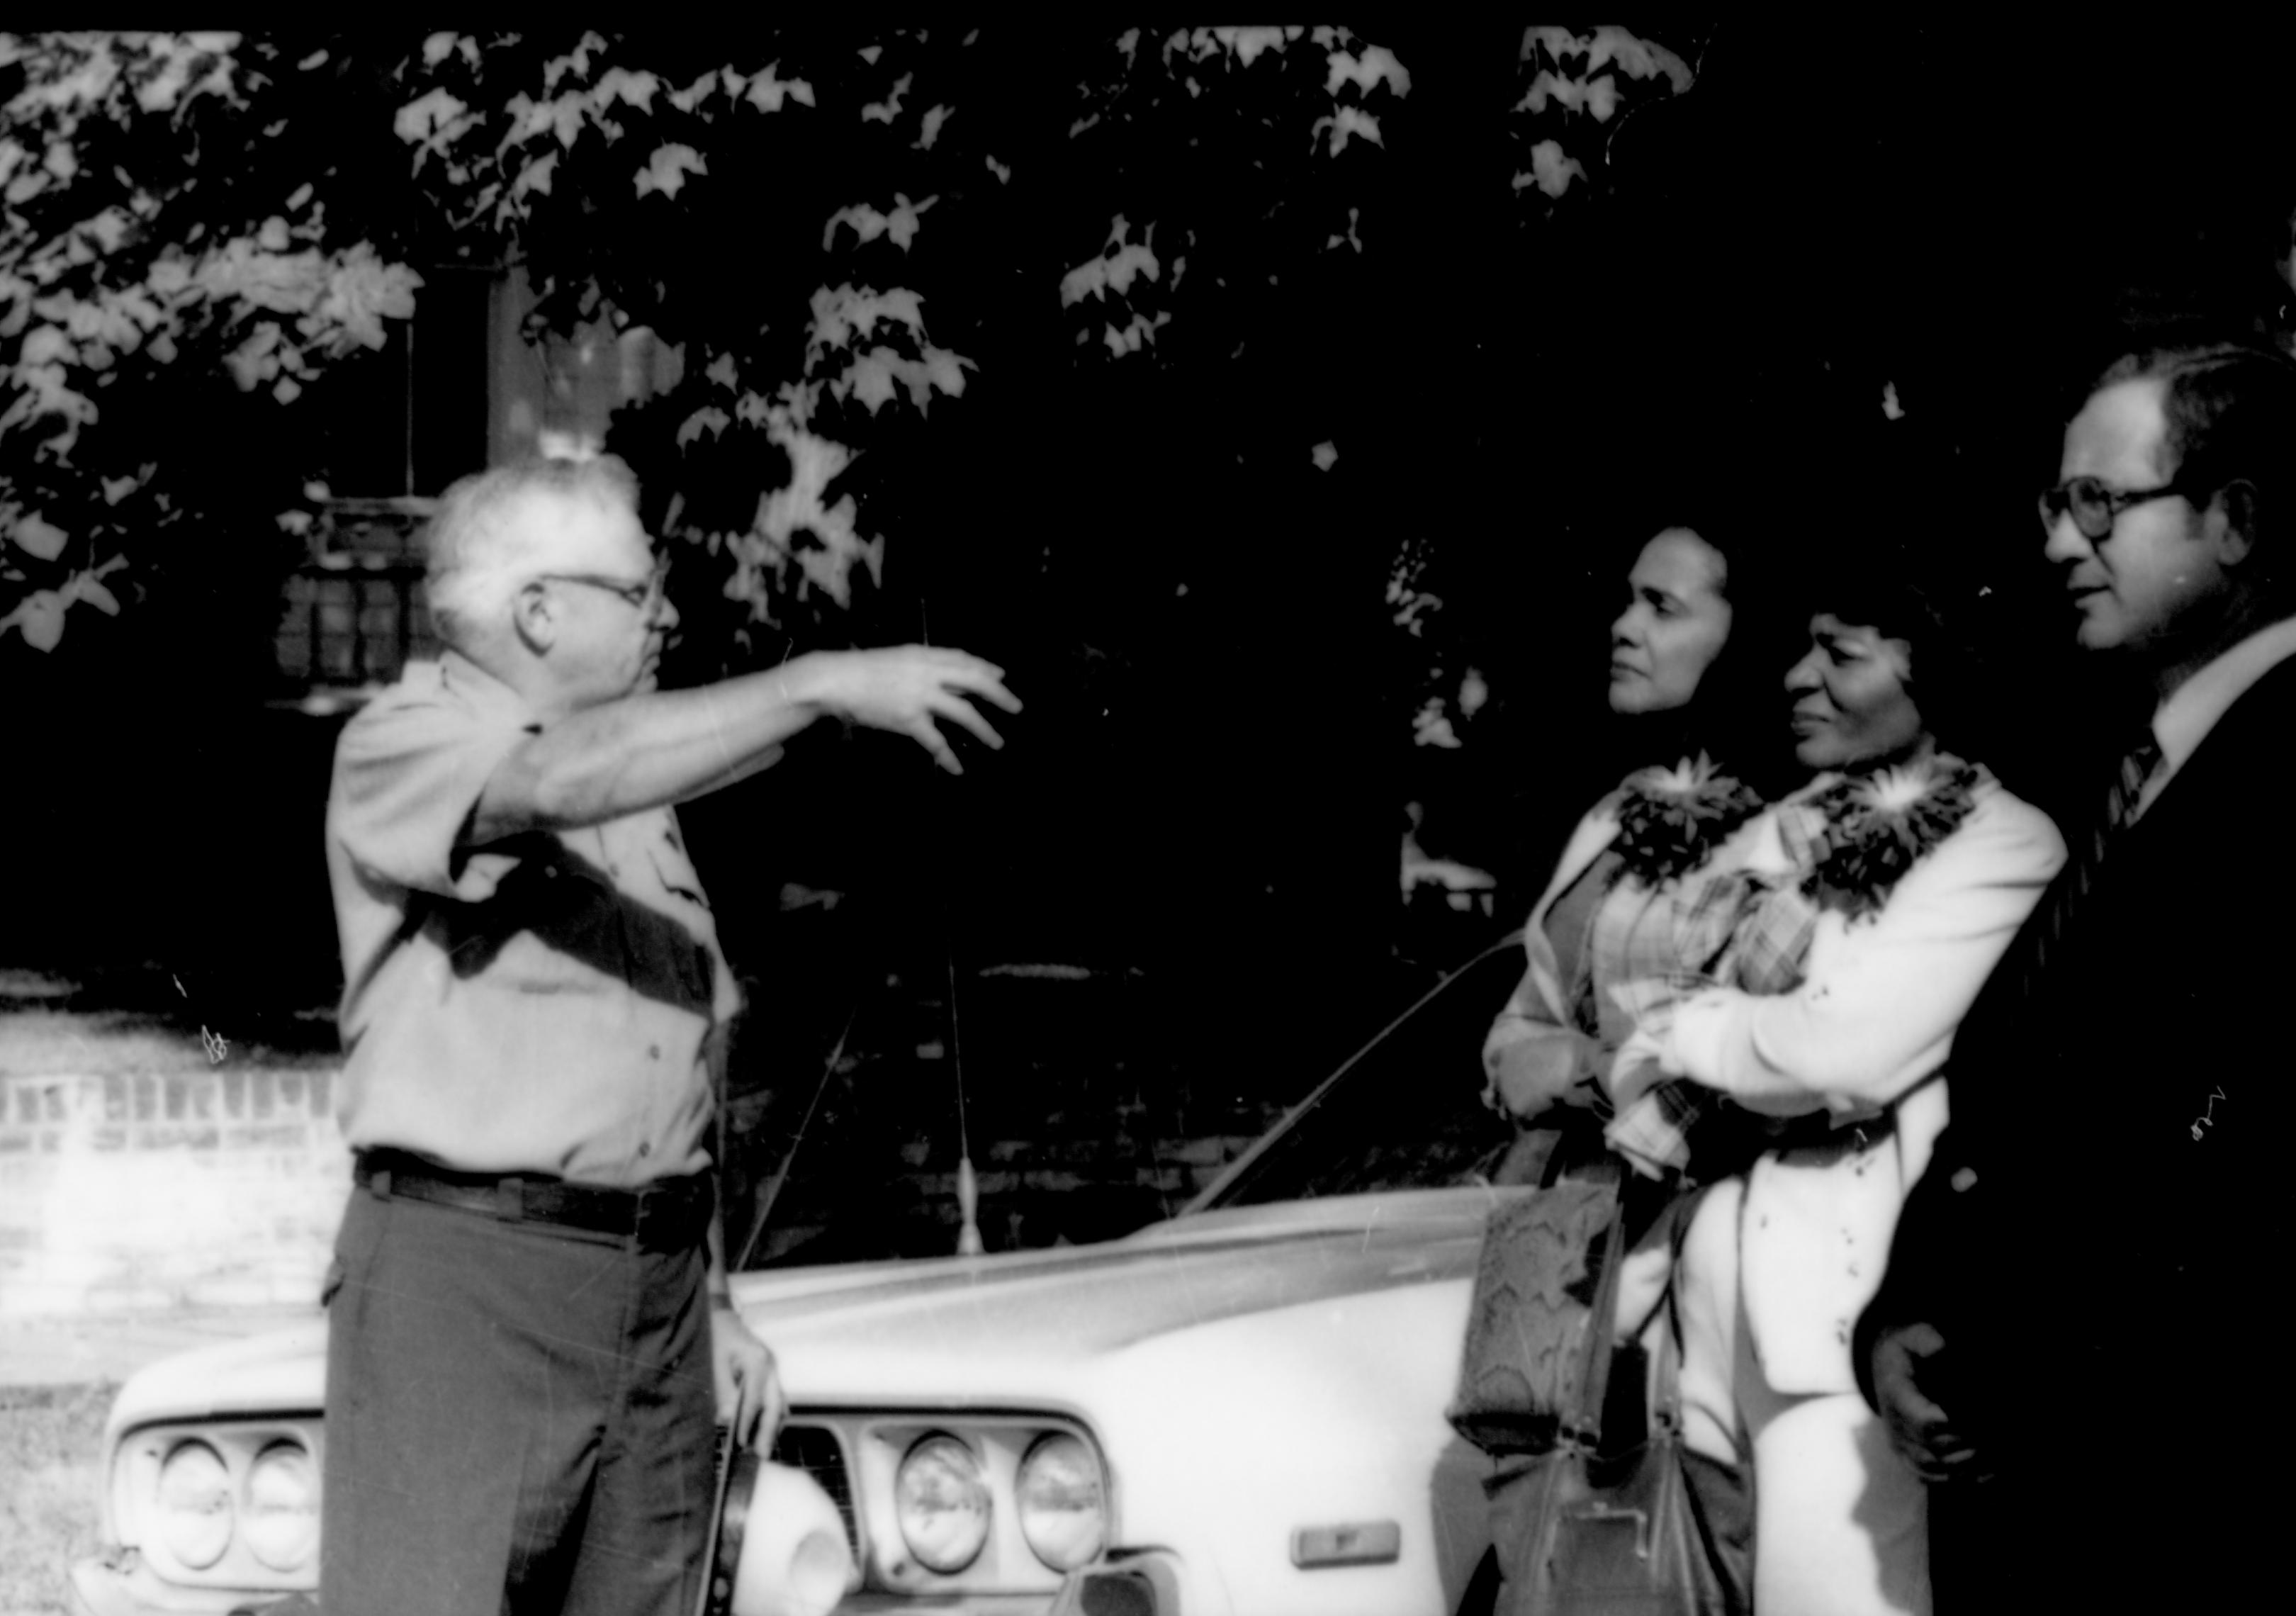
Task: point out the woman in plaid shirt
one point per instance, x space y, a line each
1864 911
1687 675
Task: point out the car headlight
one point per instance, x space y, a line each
282 1521
942 1502
195 1506
1060 1502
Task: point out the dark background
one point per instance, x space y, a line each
1201 810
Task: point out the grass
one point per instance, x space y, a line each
98 1024
51 1478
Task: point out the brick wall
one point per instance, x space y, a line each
220 1189
148 1193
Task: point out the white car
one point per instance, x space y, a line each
1237 1410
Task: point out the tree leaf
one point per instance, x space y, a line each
666 172
84 587
39 617
40 538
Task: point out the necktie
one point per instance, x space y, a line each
2137 769
2085 853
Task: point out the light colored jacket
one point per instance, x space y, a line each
1535 1055
1524 1073
1872 1018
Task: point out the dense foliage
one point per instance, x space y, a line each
1278 405
840 236
180 245
835 234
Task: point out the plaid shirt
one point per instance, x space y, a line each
1753 931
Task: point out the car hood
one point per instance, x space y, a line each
281 1372
1017 1327
1005 1325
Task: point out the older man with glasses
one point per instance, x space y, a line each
2068 1338
530 1336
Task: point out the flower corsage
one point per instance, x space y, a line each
1879 825
1670 820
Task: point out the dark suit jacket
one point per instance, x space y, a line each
2103 1232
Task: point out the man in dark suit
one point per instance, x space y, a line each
2070 1338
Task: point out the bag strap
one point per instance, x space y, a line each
1666 1399
1583 1422
1676 1215
1685 1210
1580 1150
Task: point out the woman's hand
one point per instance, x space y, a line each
1650 1141
1542 1068
1637 1069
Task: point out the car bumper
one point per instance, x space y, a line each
98 1589
1140 1584
124 1586
1147 1584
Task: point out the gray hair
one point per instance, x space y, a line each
478 556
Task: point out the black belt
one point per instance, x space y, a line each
1818 1131
670 1213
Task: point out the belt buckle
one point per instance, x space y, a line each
649 1207
659 1207
1868 1132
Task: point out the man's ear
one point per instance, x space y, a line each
2230 522
534 616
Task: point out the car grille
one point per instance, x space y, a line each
815 1450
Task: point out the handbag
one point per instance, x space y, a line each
1533 1300
1650 1529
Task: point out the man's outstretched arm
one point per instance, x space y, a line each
661 747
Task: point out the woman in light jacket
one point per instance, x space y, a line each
1871 905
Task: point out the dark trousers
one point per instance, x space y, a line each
519 1418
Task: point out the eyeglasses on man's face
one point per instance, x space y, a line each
2095 505
642 595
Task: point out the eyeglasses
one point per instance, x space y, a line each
644 596
2096 506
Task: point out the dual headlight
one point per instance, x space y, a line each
942 1499
274 1509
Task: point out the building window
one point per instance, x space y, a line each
353 614
391 431
457 388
